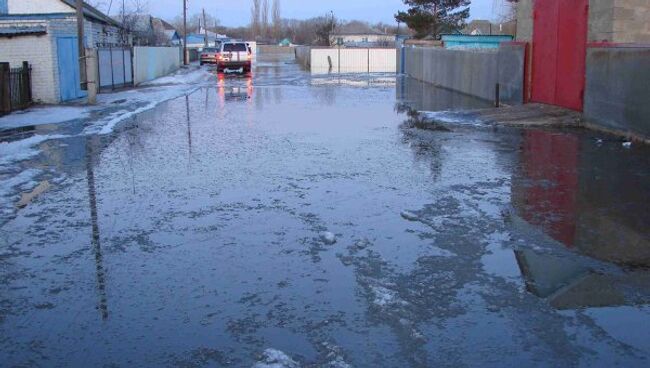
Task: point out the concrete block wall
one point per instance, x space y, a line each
601 22
617 21
303 55
150 63
617 93
471 72
525 23
631 21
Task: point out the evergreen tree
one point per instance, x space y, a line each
434 17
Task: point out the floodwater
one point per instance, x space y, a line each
302 220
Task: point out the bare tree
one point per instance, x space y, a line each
277 20
265 18
131 14
256 11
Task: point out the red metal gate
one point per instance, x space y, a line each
559 52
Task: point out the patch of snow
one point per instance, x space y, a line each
627 144
272 358
157 92
180 77
384 297
449 117
43 115
12 152
410 216
338 362
328 238
24 181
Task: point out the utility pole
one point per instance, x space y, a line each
185 61
205 28
81 45
331 36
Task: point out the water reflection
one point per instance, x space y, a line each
569 283
426 97
96 241
584 197
586 200
235 88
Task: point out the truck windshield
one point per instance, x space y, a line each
235 47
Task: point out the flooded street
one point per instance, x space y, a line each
283 218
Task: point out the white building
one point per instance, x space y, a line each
44 33
357 34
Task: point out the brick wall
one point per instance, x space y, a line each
37 50
41 51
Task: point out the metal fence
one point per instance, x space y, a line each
15 87
115 67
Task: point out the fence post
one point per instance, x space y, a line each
27 70
5 89
110 51
91 77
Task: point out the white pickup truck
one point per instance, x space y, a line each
233 56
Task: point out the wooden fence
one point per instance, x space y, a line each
15 87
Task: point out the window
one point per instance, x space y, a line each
4 8
365 39
235 47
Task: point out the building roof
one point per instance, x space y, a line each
91 12
166 25
22 31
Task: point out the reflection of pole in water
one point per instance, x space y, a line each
96 244
189 128
207 95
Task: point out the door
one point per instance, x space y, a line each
69 76
559 52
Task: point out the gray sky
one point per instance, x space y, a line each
237 12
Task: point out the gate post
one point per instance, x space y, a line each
27 84
5 89
91 70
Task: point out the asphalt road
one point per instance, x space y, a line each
306 221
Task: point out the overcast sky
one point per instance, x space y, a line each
237 12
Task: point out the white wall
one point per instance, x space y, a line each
150 63
38 7
39 52
353 60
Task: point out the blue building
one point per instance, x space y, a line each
461 41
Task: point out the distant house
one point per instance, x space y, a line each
44 33
358 34
479 27
147 30
171 34
197 40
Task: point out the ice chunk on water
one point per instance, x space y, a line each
328 238
627 144
272 358
409 216
385 297
362 244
